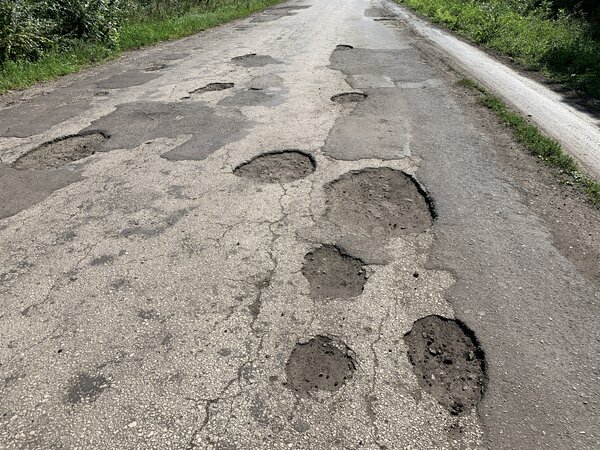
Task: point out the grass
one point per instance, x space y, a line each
565 47
135 34
547 149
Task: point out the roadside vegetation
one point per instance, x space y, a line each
560 38
44 39
547 149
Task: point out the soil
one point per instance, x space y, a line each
378 202
333 274
55 154
321 364
447 362
277 167
348 97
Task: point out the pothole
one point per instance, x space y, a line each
211 87
321 364
447 361
277 167
254 60
378 202
343 47
155 67
348 97
55 154
333 274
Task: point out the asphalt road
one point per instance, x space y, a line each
204 245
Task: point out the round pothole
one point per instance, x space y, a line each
211 87
321 364
378 202
348 97
55 154
343 47
447 361
333 274
277 167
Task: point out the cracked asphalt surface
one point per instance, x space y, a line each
172 289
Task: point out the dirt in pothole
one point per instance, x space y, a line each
53 155
321 364
447 361
333 274
254 60
348 97
211 87
277 167
378 202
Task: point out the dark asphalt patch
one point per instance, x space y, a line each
333 274
211 87
57 153
133 124
378 202
277 167
86 388
348 97
127 79
21 189
254 60
447 361
321 364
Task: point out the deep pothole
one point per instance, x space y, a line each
321 364
333 274
380 201
348 97
277 167
55 154
212 87
447 361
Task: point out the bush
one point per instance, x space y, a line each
23 30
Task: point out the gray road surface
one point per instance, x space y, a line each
162 289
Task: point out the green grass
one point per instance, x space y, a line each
564 48
134 34
547 149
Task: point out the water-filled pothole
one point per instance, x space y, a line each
277 167
321 364
333 274
378 202
447 361
348 97
211 87
254 60
55 154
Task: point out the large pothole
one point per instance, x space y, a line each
321 364
333 274
378 202
447 361
58 153
277 167
348 97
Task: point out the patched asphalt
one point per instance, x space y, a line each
286 232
